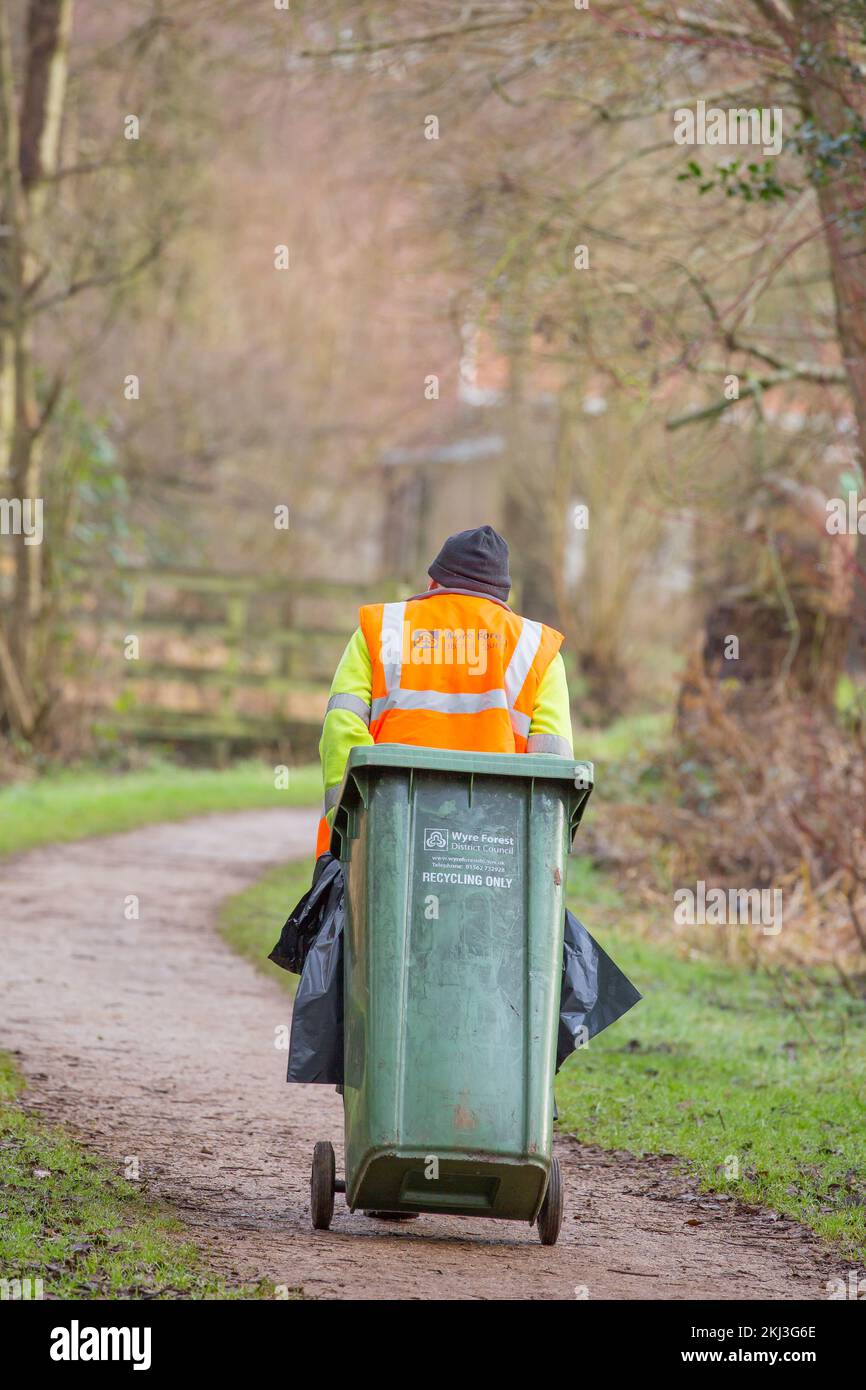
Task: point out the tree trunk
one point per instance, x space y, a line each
29 157
834 97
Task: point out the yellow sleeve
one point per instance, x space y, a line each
550 730
347 716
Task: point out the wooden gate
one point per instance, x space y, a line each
227 659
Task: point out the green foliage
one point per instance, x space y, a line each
87 529
753 182
88 500
631 736
630 757
825 154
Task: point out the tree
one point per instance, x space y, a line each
31 142
88 202
714 288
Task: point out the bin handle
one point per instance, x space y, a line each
578 806
345 825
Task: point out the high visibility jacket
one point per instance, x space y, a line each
445 669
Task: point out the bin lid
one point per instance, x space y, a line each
577 773
537 765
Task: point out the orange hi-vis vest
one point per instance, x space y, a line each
453 669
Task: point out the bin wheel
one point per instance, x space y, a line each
322 1185
550 1216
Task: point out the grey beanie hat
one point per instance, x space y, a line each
476 560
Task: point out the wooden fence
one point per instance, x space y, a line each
186 656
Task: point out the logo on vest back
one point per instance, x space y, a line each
442 646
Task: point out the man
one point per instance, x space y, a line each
450 668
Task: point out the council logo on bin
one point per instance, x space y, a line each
435 839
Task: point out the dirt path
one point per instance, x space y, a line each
150 1038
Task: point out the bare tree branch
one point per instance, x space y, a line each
804 371
411 40
92 282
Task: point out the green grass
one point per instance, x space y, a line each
251 921
718 1062
592 895
69 1219
75 804
629 757
630 736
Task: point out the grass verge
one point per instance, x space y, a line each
758 1080
251 921
76 804
67 1219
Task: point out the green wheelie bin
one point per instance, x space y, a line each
455 875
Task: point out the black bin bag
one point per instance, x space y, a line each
323 903
594 991
311 944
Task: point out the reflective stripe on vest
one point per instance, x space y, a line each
353 703
549 743
391 655
445 702
521 660
440 701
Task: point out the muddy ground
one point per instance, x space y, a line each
150 1038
